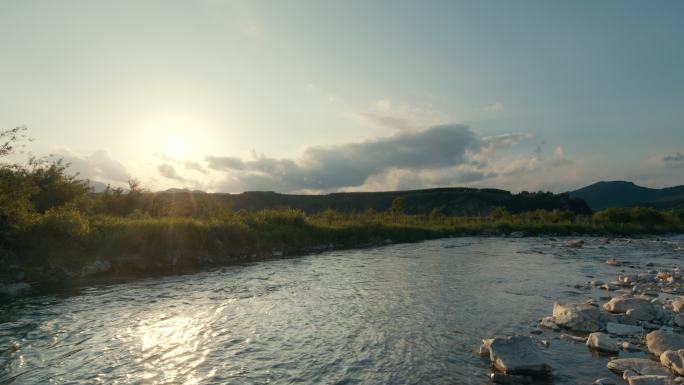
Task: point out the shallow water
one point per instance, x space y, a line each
401 314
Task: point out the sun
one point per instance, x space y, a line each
179 137
177 147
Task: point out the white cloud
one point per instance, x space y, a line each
385 114
98 166
493 108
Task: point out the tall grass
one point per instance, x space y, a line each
167 244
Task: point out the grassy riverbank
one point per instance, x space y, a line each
72 240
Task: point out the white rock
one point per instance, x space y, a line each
678 305
579 317
602 342
640 366
660 341
673 360
641 308
518 355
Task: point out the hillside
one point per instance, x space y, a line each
449 201
603 195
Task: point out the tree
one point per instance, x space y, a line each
9 138
397 206
499 213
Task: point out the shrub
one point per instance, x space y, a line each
63 221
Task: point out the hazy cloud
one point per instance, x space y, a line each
494 107
674 160
168 171
97 166
347 165
384 113
225 163
442 155
187 164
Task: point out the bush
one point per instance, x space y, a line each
63 221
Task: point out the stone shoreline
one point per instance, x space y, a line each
641 311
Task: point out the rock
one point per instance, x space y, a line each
629 278
625 319
629 373
574 243
604 381
650 326
518 355
609 286
517 234
679 320
547 322
573 338
643 314
483 350
602 342
626 345
640 366
14 289
579 317
596 283
660 341
96 268
673 360
623 330
614 262
649 380
678 305
500 378
646 277
642 308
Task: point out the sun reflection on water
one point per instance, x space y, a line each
169 348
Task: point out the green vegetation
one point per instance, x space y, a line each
49 218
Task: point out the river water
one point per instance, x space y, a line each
400 314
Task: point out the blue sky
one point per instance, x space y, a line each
293 96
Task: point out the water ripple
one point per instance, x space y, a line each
402 314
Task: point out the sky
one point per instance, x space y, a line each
323 96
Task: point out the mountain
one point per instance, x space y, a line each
603 195
449 201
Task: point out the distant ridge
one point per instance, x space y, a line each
448 201
603 195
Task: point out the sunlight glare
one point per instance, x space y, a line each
175 136
177 147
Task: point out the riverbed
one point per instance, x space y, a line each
398 314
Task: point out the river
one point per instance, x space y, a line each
399 314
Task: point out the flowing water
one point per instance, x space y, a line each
401 314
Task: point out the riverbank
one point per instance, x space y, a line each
634 319
65 247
